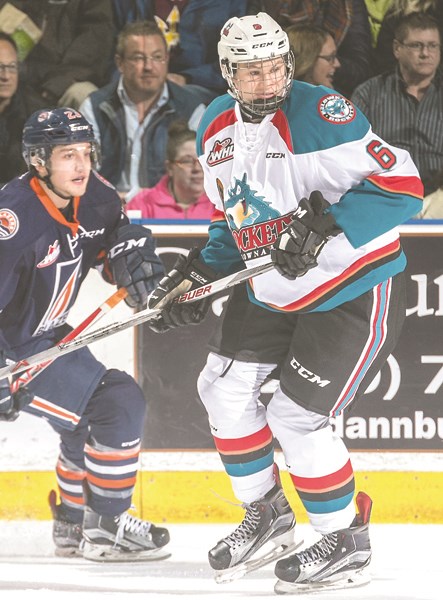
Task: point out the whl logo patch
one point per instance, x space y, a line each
221 152
51 257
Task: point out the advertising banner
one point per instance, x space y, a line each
402 409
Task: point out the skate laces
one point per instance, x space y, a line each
322 549
246 528
130 524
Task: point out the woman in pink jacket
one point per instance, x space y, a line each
179 194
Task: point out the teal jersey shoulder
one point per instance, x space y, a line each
214 110
320 118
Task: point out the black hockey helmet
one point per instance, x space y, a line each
56 127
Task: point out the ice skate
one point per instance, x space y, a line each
265 534
336 561
123 538
67 536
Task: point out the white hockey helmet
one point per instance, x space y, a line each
252 39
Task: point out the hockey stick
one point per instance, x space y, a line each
32 371
64 347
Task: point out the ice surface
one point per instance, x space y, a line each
406 565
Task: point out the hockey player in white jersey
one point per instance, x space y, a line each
297 177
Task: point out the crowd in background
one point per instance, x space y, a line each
143 71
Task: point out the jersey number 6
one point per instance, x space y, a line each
385 158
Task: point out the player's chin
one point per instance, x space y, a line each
78 187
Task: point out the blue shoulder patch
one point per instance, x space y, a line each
320 118
217 106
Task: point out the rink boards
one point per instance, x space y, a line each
188 485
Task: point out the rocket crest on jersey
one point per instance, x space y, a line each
336 109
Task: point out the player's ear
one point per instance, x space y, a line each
39 166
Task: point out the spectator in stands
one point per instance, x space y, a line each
315 54
192 30
179 194
16 104
433 203
384 59
376 13
347 22
131 114
405 106
72 57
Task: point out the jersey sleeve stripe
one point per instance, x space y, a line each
409 186
337 283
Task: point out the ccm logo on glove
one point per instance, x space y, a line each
134 263
126 246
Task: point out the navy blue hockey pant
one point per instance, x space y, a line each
99 415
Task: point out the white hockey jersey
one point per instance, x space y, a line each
256 174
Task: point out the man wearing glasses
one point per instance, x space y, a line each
131 115
405 107
16 104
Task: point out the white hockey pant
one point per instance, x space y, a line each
311 449
229 391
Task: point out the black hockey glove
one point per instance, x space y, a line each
188 273
134 263
297 247
12 404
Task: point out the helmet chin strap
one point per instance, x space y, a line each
250 116
257 110
47 180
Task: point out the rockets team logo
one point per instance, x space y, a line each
336 109
254 223
9 224
243 207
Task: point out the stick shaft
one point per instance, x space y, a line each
31 372
64 347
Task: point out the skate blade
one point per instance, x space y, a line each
68 552
102 553
342 581
283 545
